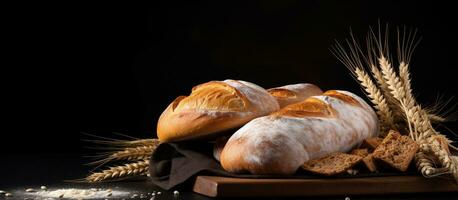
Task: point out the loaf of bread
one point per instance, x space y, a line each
285 95
283 141
294 93
219 146
214 107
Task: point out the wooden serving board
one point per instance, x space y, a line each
215 186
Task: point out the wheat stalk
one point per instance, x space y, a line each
353 62
129 154
138 168
134 153
376 98
391 102
136 150
433 158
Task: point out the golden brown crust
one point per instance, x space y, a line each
283 141
311 107
290 94
282 93
213 107
209 96
218 147
343 97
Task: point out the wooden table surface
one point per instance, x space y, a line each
215 186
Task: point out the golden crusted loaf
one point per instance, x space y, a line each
294 93
281 142
214 107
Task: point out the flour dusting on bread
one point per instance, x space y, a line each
292 140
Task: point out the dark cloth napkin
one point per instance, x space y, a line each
172 164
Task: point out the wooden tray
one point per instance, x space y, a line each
215 186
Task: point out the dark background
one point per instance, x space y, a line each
113 68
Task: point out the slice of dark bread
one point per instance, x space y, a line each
360 152
332 164
369 162
396 150
371 143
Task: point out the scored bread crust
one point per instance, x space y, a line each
281 142
294 93
214 107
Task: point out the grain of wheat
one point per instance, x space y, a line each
118 172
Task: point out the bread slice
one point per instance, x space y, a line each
371 143
332 164
360 152
370 163
396 150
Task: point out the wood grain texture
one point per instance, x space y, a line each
215 186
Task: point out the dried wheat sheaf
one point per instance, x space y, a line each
133 153
389 89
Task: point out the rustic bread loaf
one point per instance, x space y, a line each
332 164
396 150
294 93
285 95
214 107
218 147
281 142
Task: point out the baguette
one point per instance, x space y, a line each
283 141
214 107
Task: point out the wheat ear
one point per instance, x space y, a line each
129 154
376 98
433 157
353 62
138 168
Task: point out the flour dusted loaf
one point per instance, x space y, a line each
214 107
285 95
294 93
283 141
